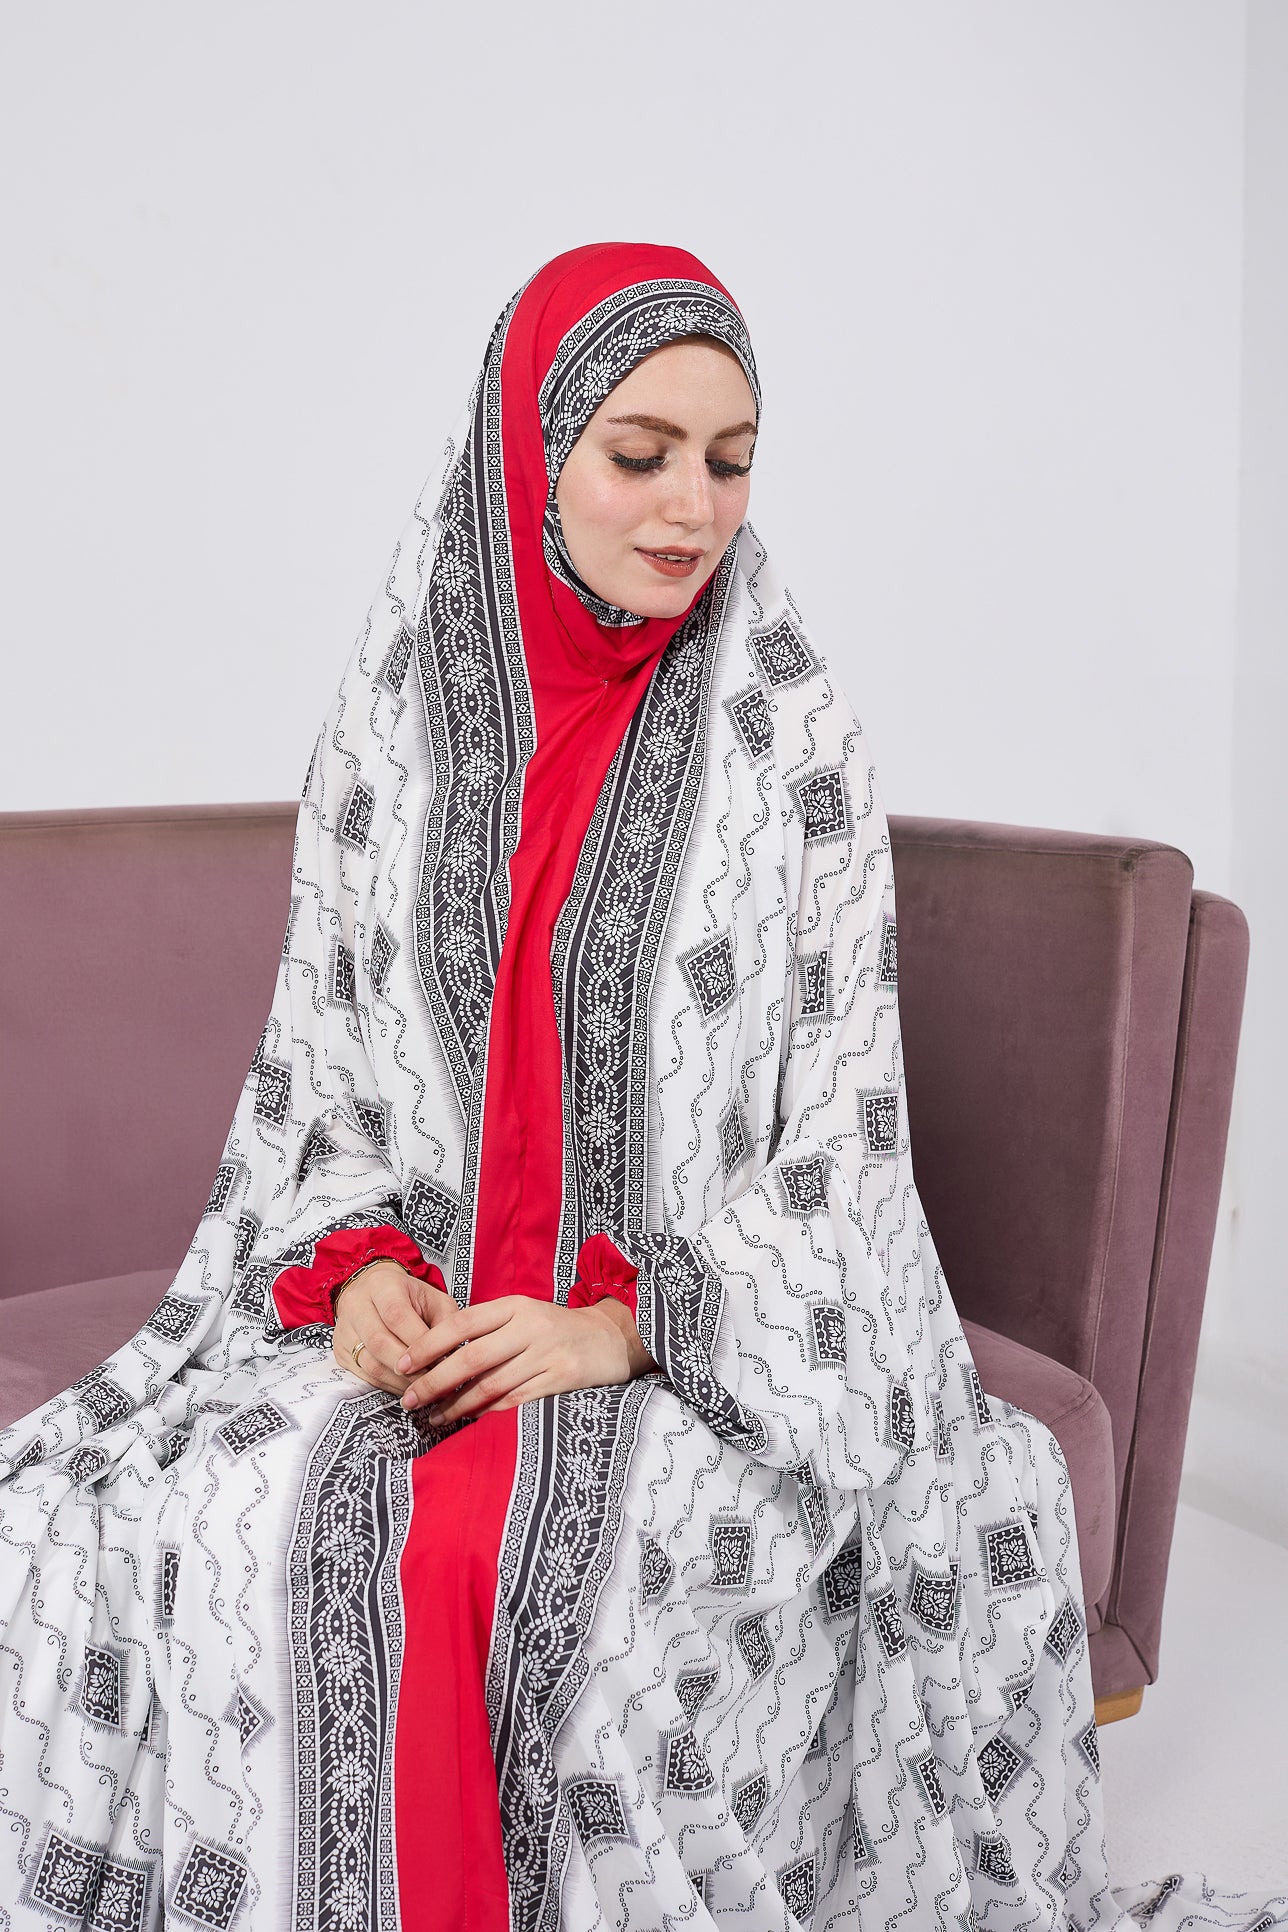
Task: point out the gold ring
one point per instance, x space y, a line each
357 1352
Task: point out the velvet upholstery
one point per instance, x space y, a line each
135 986
1070 1014
49 1339
1074 1412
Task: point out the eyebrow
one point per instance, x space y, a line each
663 428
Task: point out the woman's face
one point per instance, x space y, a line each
658 480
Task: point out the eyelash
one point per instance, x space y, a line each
637 463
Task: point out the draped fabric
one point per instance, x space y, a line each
588 985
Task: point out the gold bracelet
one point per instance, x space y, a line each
339 1290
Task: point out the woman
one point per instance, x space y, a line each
556 1491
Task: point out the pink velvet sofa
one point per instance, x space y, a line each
1071 1012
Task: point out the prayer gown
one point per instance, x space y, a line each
588 985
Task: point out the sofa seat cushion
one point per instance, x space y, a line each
1073 1411
50 1339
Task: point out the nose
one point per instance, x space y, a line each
690 500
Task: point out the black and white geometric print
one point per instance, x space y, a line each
597 1810
273 1093
393 671
827 1332
684 1768
888 971
824 805
735 1145
208 1888
342 977
888 1624
731 1555
712 975
753 721
318 1146
752 1639
430 1213
247 1234
925 1769
782 654
356 814
932 1598
798 1884
176 1317
101 1687
804 1185
380 957
879 1122
250 1427
793 1627
843 1583
693 1687
813 994
104 1400
1008 1555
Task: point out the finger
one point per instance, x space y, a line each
352 1354
430 1300
382 1349
369 1355
478 1356
483 1392
393 1304
452 1329
528 1391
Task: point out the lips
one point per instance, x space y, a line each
679 562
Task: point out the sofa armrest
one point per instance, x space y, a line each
1040 987
1211 1011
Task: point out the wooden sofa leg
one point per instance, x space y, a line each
1121 1704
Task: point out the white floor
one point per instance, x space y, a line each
1198 1780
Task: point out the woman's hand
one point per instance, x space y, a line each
380 1313
496 1354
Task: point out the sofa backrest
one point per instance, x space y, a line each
143 945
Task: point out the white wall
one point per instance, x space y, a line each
992 260
1238 1449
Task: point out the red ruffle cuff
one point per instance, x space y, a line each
603 1270
304 1295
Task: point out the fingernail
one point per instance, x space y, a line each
404 1365
434 1413
411 1400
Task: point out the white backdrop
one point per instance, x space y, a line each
1003 271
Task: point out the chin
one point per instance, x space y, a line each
660 598
666 603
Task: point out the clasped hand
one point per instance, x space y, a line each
414 1340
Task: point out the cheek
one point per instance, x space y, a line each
599 513
731 507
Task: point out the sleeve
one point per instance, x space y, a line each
305 1294
788 1321
603 1272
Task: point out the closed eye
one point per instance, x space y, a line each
716 464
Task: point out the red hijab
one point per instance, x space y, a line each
569 337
